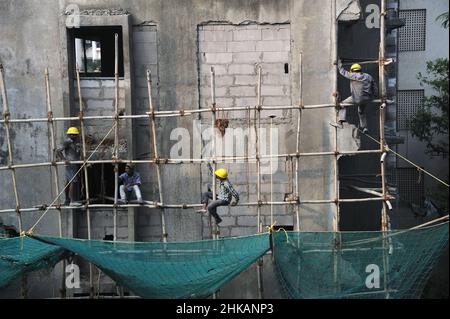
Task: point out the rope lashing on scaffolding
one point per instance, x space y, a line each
406 160
68 184
271 230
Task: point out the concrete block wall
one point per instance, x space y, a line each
235 51
99 100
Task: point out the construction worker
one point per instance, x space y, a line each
226 192
363 89
70 151
131 182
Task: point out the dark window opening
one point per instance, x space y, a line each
93 50
102 183
286 68
286 228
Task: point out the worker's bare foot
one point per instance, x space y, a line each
201 211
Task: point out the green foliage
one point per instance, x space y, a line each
443 18
430 124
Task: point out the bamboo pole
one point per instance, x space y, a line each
180 113
215 228
187 206
86 179
6 116
336 217
54 169
166 161
257 125
384 216
154 147
213 143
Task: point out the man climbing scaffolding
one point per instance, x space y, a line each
131 182
363 89
226 192
70 151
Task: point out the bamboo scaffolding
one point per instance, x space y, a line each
154 147
169 161
336 217
382 84
213 226
6 116
116 133
86 179
54 169
180 113
257 126
188 206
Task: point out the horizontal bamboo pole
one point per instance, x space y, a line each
188 206
192 161
175 113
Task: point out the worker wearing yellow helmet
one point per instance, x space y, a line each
363 89
68 152
225 195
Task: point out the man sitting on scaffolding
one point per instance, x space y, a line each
226 192
363 89
131 182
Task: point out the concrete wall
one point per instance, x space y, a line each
173 32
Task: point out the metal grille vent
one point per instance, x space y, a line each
408 103
412 35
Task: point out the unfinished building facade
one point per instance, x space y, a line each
263 53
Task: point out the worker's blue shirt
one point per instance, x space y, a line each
362 85
130 179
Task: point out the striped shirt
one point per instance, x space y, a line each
226 190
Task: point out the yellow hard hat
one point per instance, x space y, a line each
355 67
222 173
73 131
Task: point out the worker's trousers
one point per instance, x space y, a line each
136 190
212 207
361 112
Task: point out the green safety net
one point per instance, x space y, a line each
23 254
396 264
170 270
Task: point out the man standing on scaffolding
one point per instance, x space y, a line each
363 89
226 192
70 151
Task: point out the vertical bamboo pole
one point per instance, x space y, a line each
384 218
116 135
116 143
258 159
297 162
271 169
154 147
337 236
54 169
86 179
214 229
6 116
260 262
213 143
297 148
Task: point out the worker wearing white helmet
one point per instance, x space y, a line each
226 193
363 89
70 151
